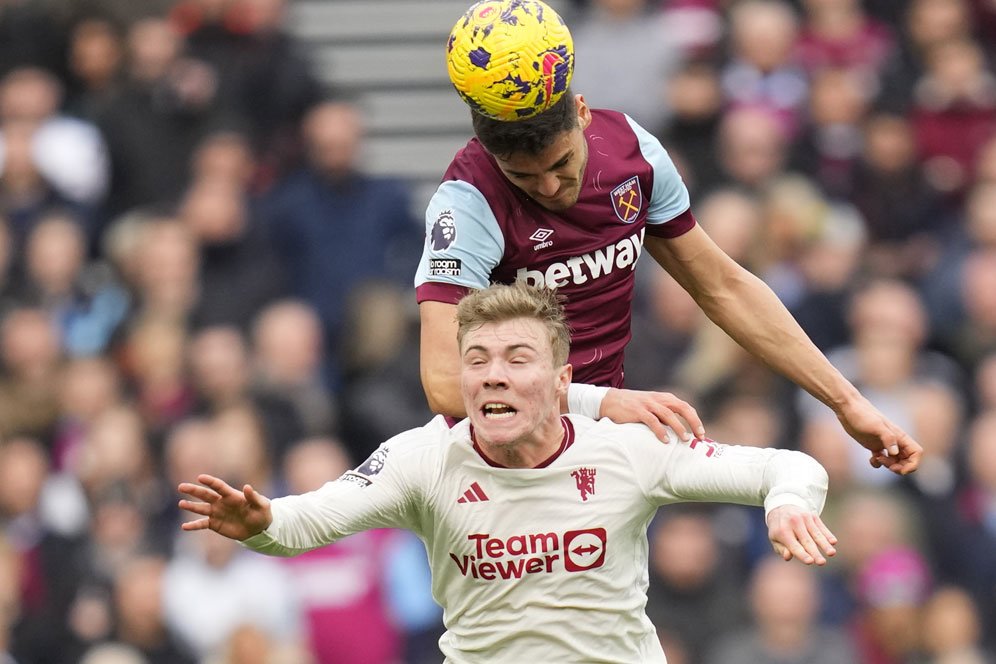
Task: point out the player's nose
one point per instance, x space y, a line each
548 185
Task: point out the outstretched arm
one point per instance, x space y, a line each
746 309
224 509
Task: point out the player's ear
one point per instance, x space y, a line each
564 377
584 113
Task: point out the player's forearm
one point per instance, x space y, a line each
748 310
714 472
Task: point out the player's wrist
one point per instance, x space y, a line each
583 399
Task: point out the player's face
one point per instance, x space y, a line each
511 388
554 177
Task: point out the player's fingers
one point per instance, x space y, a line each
782 550
199 492
199 524
653 421
204 509
822 540
689 414
252 497
671 419
219 485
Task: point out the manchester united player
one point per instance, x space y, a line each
534 523
569 199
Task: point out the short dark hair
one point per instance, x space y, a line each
532 136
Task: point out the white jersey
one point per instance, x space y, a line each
542 564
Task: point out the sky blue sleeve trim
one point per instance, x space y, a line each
669 197
467 256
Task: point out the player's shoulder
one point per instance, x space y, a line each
423 441
471 163
604 429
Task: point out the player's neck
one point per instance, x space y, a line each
529 451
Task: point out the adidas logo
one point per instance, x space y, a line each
475 494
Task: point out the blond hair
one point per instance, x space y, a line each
502 302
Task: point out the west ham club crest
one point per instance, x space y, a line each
627 200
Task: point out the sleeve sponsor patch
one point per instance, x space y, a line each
354 478
444 267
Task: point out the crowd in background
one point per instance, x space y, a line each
197 276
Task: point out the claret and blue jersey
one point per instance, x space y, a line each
481 228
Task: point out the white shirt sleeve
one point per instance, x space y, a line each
706 471
386 491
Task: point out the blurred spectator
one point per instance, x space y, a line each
761 71
88 388
336 227
839 34
785 602
287 360
689 135
629 54
952 633
84 300
29 36
954 112
830 142
113 653
873 521
341 586
942 285
984 392
239 271
96 65
163 270
665 322
138 612
29 352
975 336
153 356
263 74
224 156
168 101
694 591
887 358
244 589
222 378
891 587
904 216
48 159
380 346
927 23
978 517
10 601
752 149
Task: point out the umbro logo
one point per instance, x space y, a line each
542 235
475 494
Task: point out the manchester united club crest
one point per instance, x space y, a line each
627 200
585 480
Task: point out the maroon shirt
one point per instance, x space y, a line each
481 228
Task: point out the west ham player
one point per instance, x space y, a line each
569 199
534 523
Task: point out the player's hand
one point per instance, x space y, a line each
889 445
797 533
225 510
655 409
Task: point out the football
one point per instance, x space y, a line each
510 59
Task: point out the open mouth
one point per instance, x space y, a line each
497 411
